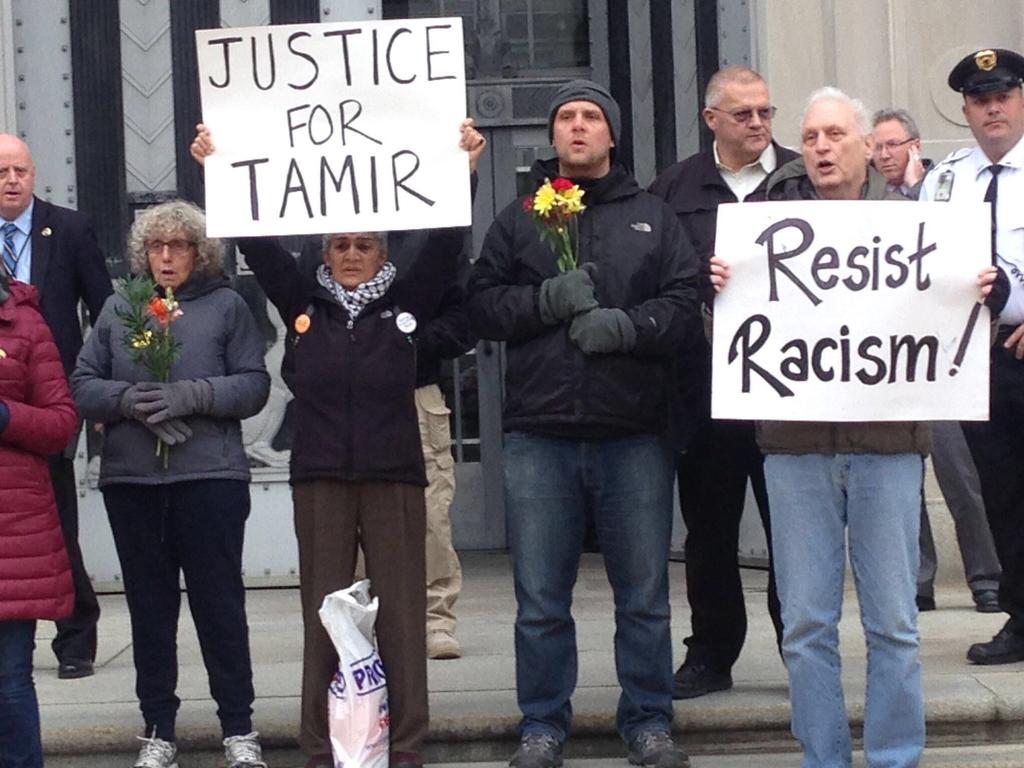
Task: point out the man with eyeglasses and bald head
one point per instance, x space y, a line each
719 456
55 249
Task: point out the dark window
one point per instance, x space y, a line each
512 38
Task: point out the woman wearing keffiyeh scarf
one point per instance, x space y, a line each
357 469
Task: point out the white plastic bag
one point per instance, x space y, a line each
357 699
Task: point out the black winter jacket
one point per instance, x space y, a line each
354 383
694 188
646 267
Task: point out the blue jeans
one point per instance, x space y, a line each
20 746
817 501
550 487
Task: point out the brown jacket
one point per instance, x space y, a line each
790 182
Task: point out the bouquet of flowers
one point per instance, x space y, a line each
147 336
555 207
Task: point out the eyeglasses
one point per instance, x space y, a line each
892 145
743 116
177 247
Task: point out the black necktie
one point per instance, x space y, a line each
991 194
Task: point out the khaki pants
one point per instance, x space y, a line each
387 519
444 572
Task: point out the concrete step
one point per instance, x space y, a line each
963 756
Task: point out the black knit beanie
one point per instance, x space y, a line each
587 90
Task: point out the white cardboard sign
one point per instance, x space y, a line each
334 127
851 311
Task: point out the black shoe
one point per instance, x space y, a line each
72 669
657 748
986 601
693 680
924 603
1005 648
537 750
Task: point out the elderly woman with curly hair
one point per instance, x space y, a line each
190 515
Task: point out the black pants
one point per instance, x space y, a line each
998 449
712 477
76 635
194 527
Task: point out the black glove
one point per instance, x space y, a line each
603 331
564 297
159 401
1000 293
171 431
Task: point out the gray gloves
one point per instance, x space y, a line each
172 431
158 401
563 297
161 406
603 331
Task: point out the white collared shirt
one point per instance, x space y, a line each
745 180
23 243
971 177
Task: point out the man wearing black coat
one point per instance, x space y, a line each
587 350
55 249
719 456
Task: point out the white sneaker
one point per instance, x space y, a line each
243 751
156 753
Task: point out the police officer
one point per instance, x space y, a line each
993 171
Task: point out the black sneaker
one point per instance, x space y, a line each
924 603
1005 648
72 669
693 680
537 750
657 748
986 601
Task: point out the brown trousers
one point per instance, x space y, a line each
388 521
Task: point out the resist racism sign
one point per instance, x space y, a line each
851 311
334 127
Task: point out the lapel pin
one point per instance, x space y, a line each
302 323
46 232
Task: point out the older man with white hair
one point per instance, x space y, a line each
832 482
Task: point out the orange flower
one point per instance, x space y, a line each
157 308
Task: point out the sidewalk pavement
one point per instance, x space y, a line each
472 700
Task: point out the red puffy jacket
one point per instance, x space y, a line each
35 576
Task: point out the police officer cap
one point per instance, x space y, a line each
987 71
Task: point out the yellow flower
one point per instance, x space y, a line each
572 200
143 340
544 199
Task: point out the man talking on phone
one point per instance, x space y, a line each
896 151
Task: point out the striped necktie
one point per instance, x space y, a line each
10 255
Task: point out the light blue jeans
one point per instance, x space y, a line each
551 485
818 502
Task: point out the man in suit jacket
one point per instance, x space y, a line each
55 249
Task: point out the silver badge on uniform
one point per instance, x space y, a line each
406 322
944 187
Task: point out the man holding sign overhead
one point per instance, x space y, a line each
831 479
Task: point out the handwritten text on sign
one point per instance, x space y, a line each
334 127
851 311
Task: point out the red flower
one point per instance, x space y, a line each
561 184
528 204
157 307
